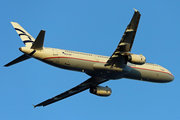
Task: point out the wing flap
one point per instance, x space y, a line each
130 32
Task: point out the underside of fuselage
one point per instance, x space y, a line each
91 69
87 67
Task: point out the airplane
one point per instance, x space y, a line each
121 64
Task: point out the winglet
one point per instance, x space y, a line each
34 106
135 10
38 43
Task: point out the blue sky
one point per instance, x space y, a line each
96 27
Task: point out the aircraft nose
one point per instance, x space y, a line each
169 77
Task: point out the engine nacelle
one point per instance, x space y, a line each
100 91
136 59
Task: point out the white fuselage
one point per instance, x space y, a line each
93 65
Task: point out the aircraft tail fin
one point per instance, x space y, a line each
23 34
29 41
17 60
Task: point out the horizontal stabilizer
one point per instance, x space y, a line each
17 60
38 43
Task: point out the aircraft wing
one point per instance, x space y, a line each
126 42
91 82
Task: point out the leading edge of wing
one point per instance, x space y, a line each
132 28
93 81
127 39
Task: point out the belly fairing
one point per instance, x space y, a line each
109 72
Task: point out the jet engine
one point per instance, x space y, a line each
100 91
136 59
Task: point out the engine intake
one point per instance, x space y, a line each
136 59
100 91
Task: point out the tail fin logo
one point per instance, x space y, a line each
23 33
